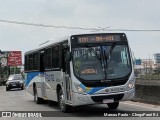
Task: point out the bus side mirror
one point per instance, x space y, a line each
68 56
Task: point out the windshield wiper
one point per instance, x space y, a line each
109 51
105 56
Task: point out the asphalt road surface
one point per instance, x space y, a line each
19 100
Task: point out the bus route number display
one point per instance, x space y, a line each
98 39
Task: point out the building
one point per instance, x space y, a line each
157 60
147 66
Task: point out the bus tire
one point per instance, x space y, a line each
113 105
37 99
22 87
63 107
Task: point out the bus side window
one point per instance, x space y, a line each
55 57
26 62
35 61
31 62
42 61
48 58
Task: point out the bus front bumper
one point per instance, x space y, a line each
86 99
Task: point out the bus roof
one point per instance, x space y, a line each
48 44
59 40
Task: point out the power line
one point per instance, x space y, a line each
81 28
44 25
131 30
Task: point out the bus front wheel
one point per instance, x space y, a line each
113 105
63 107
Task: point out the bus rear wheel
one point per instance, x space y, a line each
36 98
113 105
22 87
63 107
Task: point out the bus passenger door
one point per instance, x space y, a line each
66 74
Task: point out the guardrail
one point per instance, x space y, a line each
148 80
147 89
149 77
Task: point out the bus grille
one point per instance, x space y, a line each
111 83
116 97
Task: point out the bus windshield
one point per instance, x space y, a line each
101 62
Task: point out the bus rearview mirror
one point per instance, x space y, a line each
68 56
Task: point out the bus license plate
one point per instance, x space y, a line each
108 100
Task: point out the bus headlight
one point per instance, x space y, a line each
131 85
79 89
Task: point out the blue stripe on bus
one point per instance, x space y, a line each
30 76
91 90
95 89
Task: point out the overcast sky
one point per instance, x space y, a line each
115 14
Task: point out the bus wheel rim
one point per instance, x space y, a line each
61 102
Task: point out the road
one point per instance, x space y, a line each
19 100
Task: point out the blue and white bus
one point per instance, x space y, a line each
82 69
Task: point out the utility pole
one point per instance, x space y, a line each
0 67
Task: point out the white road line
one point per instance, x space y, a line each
141 106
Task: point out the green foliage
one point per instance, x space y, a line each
15 70
6 71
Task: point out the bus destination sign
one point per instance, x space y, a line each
98 38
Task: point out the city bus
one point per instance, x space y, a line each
82 69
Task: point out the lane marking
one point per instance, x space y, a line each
142 106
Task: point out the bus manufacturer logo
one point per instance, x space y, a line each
107 90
